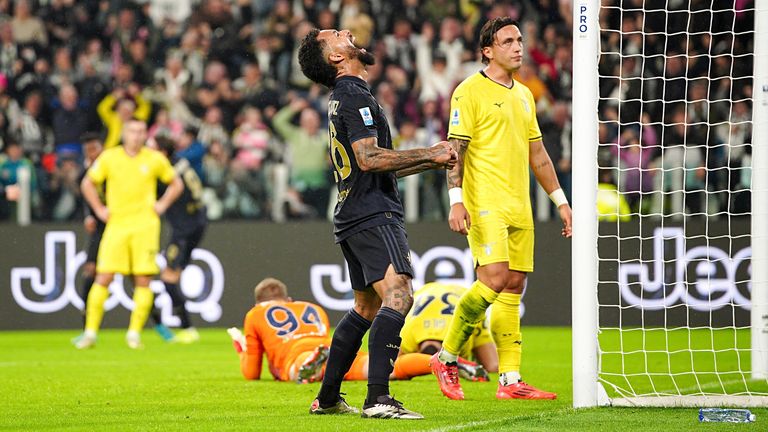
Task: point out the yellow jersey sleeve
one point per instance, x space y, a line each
534 133
100 167
164 169
462 120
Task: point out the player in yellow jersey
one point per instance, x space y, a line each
132 212
427 324
494 129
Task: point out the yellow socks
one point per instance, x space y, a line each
142 299
469 312
94 307
505 328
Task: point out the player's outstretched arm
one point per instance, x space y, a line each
418 168
545 174
458 217
371 157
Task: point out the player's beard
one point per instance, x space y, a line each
364 56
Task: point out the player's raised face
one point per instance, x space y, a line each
341 46
507 48
336 40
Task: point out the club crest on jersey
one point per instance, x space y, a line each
455 117
365 113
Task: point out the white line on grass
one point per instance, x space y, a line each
481 423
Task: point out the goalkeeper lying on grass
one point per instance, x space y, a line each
295 337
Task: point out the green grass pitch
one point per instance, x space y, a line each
45 384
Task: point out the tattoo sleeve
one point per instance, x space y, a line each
414 169
371 157
455 176
542 167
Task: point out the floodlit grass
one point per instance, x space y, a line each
45 384
679 361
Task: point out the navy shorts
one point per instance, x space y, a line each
370 252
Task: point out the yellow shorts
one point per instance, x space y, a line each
130 249
493 240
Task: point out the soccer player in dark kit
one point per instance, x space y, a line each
188 223
368 221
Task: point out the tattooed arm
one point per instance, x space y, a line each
371 157
542 167
455 175
458 217
545 174
415 169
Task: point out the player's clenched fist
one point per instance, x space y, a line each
444 155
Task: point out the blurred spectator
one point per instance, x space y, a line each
9 175
64 188
251 140
9 52
28 28
69 122
308 150
256 89
118 107
29 129
611 205
556 129
165 126
212 129
400 45
189 148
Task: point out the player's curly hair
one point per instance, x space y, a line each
489 30
312 60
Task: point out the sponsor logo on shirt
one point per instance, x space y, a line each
365 113
455 117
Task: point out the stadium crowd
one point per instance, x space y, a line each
221 78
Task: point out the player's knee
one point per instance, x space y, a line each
504 280
515 283
89 270
399 298
367 310
170 275
104 279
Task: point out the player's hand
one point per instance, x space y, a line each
90 224
12 192
160 208
565 216
444 155
458 219
102 213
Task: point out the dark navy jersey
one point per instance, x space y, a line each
366 199
187 213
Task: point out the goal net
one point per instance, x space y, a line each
675 105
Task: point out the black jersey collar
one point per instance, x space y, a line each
352 79
482 72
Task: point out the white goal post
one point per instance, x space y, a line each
670 299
